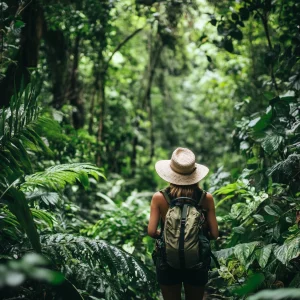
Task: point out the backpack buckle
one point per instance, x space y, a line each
183 221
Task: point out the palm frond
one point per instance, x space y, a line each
56 177
20 126
9 227
18 205
105 266
49 198
43 217
22 111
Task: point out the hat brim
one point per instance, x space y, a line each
164 171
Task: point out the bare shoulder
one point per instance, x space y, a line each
208 203
157 198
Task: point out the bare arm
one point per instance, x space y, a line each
154 215
211 217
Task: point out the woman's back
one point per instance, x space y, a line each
183 174
160 206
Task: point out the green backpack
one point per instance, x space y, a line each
183 244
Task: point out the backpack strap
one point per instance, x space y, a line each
181 236
167 197
202 197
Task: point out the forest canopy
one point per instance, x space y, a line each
93 93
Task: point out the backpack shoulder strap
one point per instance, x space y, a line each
203 195
167 197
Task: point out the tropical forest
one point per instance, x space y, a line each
94 92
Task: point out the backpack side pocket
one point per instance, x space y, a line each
204 251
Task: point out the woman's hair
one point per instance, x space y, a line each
183 190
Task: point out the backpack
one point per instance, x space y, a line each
183 244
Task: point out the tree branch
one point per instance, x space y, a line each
264 19
120 46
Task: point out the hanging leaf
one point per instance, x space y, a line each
239 230
271 143
227 43
235 16
17 204
288 251
271 211
236 34
263 254
259 218
243 251
244 13
276 208
213 22
18 24
220 29
276 232
263 122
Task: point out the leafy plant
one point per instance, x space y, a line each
101 269
75 254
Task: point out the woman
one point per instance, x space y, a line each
183 174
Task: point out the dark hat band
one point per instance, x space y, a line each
185 174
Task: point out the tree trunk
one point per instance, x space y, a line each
75 89
57 53
102 102
27 55
146 104
92 109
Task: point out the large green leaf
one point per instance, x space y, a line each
244 251
259 218
277 294
224 253
288 250
251 284
263 254
17 204
271 211
271 143
260 123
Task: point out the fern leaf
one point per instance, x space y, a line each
103 265
56 177
47 197
41 216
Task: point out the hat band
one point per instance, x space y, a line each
185 174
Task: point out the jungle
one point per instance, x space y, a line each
94 92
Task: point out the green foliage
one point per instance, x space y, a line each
31 266
105 271
56 177
123 223
47 187
252 283
18 125
130 81
277 294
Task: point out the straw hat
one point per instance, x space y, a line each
181 169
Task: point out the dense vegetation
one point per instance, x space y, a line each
94 92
